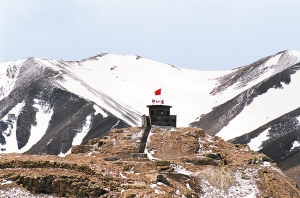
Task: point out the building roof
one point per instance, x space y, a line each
168 106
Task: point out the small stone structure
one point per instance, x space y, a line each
147 128
160 115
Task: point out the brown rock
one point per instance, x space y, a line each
81 149
187 163
93 141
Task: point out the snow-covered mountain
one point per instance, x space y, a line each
46 106
264 105
261 109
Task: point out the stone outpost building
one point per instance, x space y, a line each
160 115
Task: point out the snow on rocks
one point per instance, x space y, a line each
17 192
107 77
262 111
295 145
43 117
4 182
181 170
151 151
99 111
10 133
255 143
9 72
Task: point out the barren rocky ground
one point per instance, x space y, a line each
178 162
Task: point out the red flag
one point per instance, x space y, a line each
157 92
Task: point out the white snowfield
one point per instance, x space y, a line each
131 81
269 106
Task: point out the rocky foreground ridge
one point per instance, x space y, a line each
178 162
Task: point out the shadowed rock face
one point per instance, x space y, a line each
198 165
291 167
68 118
221 115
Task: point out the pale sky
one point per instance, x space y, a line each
197 34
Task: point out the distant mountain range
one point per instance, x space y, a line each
48 105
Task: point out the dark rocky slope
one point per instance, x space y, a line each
35 86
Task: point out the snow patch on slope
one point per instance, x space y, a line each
256 74
255 143
9 73
10 133
246 188
181 170
99 111
133 81
81 134
263 109
272 61
295 54
296 144
75 86
77 140
151 152
4 182
18 192
298 118
43 116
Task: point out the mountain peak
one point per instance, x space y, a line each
294 53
